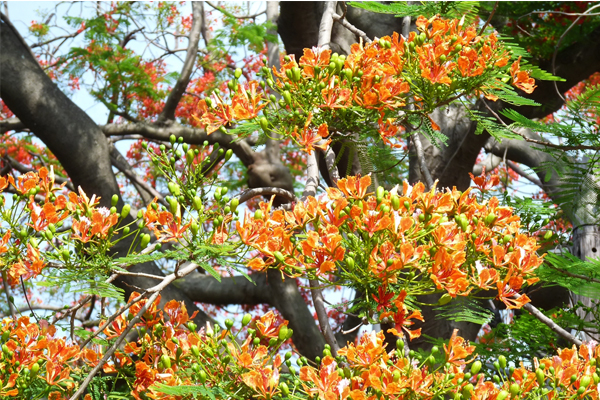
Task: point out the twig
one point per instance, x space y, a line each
114 347
326 25
168 112
227 13
11 307
547 144
551 324
353 329
488 20
250 193
318 302
558 45
341 20
27 299
572 275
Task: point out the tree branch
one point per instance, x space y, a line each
168 112
319 304
11 307
341 20
421 160
230 290
190 135
326 25
272 146
525 175
551 324
146 191
312 177
11 124
251 193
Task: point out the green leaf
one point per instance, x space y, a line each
184 390
464 310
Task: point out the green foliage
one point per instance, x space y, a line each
447 9
201 392
535 27
580 277
464 310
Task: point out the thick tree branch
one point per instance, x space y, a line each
326 25
251 193
312 177
11 124
421 160
287 299
525 175
168 113
231 290
190 135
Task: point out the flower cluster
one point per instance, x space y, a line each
171 359
386 244
326 93
20 245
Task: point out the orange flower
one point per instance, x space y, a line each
246 104
402 318
383 301
41 217
6 390
4 242
521 79
263 381
457 350
268 327
329 385
214 117
309 138
485 182
335 96
354 187
312 58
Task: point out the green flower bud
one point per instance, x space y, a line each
502 361
476 367
145 240
502 395
237 73
125 210
283 332
514 389
202 376
395 202
246 320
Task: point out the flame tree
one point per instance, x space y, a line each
341 112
